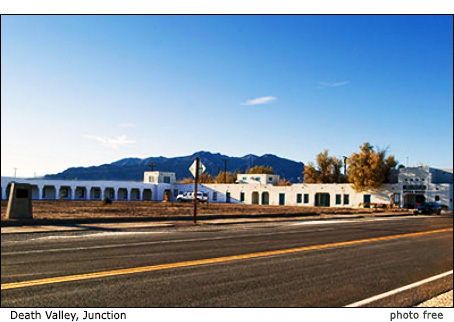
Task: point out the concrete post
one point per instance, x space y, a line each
20 202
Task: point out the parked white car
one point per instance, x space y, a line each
189 196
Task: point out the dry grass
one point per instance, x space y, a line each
96 209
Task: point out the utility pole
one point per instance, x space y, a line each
345 165
197 162
151 165
225 170
15 172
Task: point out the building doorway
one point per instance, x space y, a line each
255 198
412 201
322 200
265 198
282 199
167 195
366 201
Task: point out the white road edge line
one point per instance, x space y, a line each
343 221
397 290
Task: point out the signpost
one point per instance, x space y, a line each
197 168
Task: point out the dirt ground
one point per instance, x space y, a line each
96 209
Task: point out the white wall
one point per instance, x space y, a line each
356 199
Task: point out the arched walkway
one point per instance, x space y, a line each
81 193
65 193
95 193
109 193
49 192
135 194
122 194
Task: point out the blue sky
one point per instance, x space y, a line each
89 90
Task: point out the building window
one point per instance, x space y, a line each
270 179
346 199
299 198
166 179
215 196
306 198
150 179
338 199
242 196
437 198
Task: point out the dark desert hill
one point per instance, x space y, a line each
132 169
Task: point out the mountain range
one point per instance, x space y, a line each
132 169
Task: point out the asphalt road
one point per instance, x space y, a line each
280 264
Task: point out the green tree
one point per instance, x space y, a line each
369 169
260 170
327 170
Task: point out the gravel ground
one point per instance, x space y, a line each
442 300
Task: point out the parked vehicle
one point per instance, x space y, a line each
428 208
189 196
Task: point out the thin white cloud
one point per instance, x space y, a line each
112 143
334 84
260 100
126 125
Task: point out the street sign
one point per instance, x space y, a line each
202 168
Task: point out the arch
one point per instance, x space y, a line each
109 193
81 193
35 192
122 194
135 194
265 198
147 194
49 192
255 198
95 193
64 192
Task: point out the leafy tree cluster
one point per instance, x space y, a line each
367 169
283 182
327 170
225 177
370 169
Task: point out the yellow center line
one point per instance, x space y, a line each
143 269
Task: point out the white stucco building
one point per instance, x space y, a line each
413 186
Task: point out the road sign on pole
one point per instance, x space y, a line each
201 167
195 170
